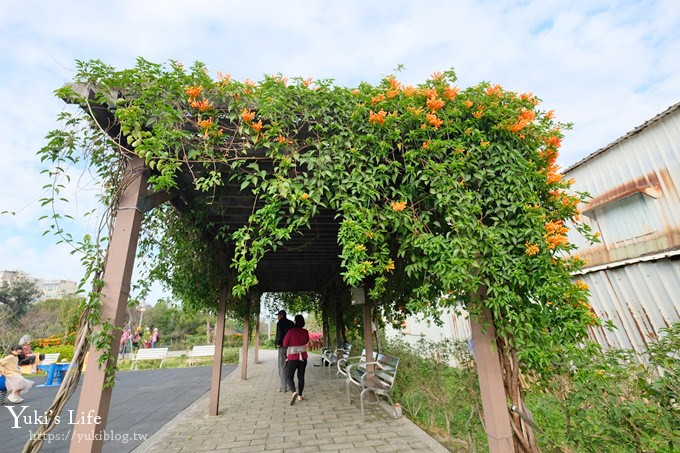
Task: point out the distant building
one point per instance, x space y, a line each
50 289
634 273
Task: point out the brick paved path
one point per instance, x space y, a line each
255 418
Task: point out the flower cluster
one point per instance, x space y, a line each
555 234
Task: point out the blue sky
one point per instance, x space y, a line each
606 66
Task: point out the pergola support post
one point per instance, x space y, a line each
95 400
257 333
244 353
216 382
338 320
494 402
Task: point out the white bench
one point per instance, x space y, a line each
150 354
50 358
207 350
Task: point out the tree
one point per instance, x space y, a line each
16 296
51 317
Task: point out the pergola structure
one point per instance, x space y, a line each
306 262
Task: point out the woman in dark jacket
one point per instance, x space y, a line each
295 341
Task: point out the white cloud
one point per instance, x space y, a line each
605 66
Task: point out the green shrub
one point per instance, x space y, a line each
443 400
601 401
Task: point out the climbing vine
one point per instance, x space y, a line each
439 190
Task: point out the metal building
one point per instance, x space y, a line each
634 272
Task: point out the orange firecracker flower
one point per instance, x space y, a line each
469 103
193 91
377 99
205 124
202 106
531 249
428 92
257 126
580 284
434 104
394 83
450 93
437 75
479 113
553 176
247 115
378 118
392 93
224 78
308 81
494 90
433 120
398 206
555 234
390 266
554 141
426 144
281 139
409 91
550 114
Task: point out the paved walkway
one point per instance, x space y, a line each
142 402
255 418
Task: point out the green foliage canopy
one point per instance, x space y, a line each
438 190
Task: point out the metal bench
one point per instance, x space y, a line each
345 362
150 354
50 358
201 351
375 377
330 357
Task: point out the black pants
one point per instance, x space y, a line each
31 360
300 366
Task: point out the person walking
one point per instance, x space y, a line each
282 326
295 342
16 384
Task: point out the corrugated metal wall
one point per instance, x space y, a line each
638 298
644 164
635 185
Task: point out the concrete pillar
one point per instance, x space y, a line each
216 382
95 400
494 402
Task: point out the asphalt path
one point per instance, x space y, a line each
141 403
